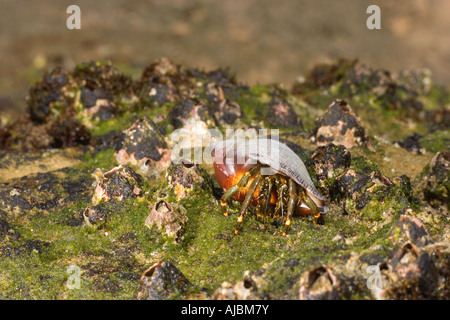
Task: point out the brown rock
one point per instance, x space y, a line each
340 125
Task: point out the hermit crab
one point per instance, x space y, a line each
269 176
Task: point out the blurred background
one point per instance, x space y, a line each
261 41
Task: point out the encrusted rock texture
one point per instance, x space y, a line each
94 205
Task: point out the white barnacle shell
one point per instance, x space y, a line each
270 152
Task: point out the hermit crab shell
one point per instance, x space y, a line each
270 152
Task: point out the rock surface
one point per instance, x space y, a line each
86 181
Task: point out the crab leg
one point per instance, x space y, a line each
262 197
269 195
237 187
247 200
279 207
311 205
291 204
265 197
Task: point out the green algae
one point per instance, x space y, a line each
122 122
438 140
112 255
208 255
252 102
402 105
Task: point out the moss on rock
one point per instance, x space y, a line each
375 211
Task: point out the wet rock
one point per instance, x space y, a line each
441 116
362 189
13 201
64 106
409 229
222 110
162 81
41 192
434 181
104 91
395 96
371 196
404 184
319 283
7 233
349 78
340 125
223 78
101 110
412 144
440 254
69 133
112 139
184 177
94 215
355 274
225 112
24 135
117 184
170 217
145 147
324 75
418 80
412 274
95 91
280 113
162 281
187 112
51 96
351 183
330 162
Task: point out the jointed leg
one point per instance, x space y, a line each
269 195
311 205
265 197
247 200
281 188
237 187
262 197
227 196
292 203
